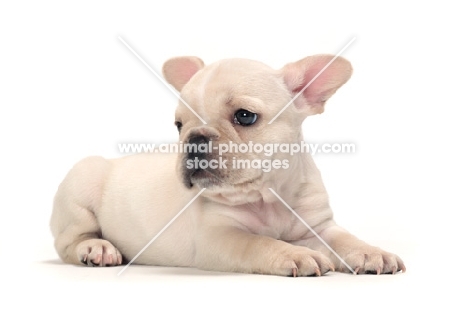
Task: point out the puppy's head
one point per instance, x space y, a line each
232 103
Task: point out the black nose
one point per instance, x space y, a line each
198 144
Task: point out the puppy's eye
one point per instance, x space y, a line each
245 117
179 125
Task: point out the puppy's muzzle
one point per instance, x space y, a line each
199 152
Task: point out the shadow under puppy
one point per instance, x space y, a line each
107 210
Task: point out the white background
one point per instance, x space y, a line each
69 89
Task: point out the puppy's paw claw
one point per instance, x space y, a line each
300 261
98 253
372 260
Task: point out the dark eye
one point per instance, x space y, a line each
245 117
179 125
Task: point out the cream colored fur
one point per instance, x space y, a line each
106 211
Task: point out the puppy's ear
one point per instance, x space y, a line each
297 75
179 70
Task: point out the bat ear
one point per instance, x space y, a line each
325 82
179 70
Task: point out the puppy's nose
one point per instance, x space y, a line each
197 143
198 139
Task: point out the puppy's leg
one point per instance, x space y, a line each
74 225
227 248
360 256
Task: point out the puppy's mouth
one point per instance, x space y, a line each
204 178
201 177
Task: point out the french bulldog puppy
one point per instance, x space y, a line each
106 211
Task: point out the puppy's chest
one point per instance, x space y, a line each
273 220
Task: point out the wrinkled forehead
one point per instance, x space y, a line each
233 77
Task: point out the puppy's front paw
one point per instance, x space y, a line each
372 260
98 252
301 261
